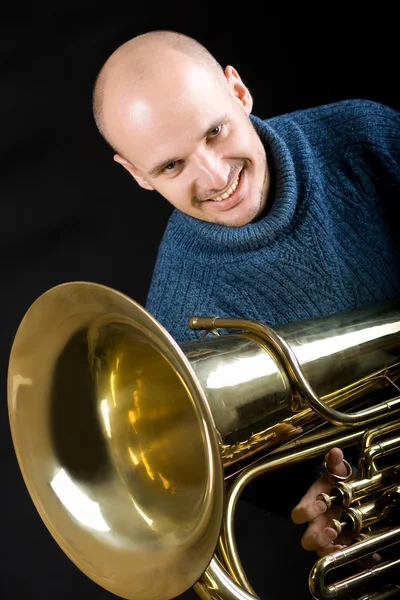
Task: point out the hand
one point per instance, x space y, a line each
318 537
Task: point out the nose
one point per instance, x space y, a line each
211 172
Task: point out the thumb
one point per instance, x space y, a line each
335 462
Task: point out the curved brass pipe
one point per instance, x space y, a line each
352 553
227 543
217 584
283 351
370 479
208 586
284 354
164 420
369 437
345 493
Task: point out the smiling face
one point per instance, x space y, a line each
187 134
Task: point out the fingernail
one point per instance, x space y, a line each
330 533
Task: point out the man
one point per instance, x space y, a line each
276 220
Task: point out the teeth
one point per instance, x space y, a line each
228 192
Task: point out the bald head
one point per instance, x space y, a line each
179 124
146 66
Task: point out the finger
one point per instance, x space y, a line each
318 540
368 561
307 512
376 557
334 462
310 503
329 549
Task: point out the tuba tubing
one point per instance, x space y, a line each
125 437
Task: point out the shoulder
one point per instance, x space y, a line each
355 109
339 125
345 117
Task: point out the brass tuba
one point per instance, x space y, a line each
135 448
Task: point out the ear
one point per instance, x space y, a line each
133 171
238 90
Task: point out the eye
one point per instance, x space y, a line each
170 167
215 131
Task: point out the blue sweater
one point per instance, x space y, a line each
328 243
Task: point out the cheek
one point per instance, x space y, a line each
241 143
176 191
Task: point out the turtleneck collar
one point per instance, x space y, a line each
197 238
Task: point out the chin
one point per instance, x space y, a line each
234 222
243 217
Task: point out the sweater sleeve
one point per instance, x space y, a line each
379 127
358 144
381 124
376 150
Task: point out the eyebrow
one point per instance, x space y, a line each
159 166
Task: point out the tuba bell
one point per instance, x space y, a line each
135 448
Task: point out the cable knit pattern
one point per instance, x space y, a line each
328 242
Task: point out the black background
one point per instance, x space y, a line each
69 212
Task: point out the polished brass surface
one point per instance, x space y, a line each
115 441
125 437
344 493
358 518
279 460
369 545
333 341
370 509
335 476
